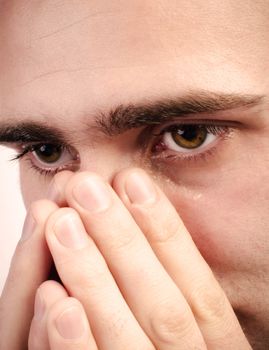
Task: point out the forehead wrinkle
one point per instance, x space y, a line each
71 25
90 68
50 74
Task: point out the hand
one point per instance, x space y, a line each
140 278
125 255
29 268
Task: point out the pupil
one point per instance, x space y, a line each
49 153
190 133
190 136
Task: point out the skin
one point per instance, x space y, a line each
59 60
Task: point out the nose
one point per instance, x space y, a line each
105 161
109 159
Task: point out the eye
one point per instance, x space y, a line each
50 158
48 153
188 140
187 137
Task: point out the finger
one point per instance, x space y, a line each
152 295
30 264
68 327
57 187
46 296
56 194
177 252
87 278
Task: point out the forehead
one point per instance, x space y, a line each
73 53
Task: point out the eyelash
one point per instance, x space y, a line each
223 131
42 171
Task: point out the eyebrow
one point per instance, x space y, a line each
126 117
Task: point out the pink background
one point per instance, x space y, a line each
12 211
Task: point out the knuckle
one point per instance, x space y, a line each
125 239
82 277
169 324
169 230
210 303
123 234
91 279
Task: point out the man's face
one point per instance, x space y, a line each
69 64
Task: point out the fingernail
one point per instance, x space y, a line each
140 189
70 324
92 194
28 227
70 232
39 305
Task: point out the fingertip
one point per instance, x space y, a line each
47 294
56 191
53 289
42 209
56 216
68 326
135 187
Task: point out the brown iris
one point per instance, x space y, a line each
49 153
189 136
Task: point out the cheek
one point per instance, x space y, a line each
228 221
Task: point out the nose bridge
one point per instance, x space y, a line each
108 160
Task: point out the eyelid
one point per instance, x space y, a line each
157 130
204 146
161 153
63 150
27 152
